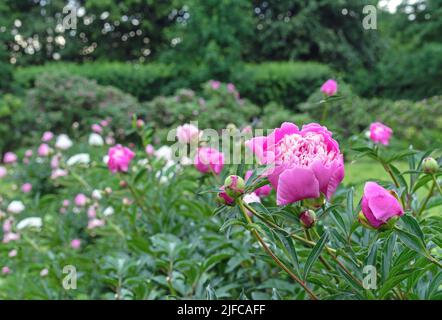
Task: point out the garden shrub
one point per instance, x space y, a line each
214 108
10 116
274 114
62 98
287 83
421 80
418 123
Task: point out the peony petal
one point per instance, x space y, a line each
296 184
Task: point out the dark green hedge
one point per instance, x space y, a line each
287 83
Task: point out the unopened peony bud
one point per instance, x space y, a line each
430 165
307 219
234 186
123 184
223 198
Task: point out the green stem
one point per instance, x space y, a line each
396 183
424 204
273 256
139 201
437 184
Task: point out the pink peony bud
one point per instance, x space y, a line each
76 244
430 165
208 159
329 88
305 162
214 84
231 87
66 203
43 150
307 219
6 270
119 158
380 133
379 207
234 186
26 188
80 200
140 123
47 136
150 150
91 212
10 158
223 198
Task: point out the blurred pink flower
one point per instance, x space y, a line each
214 84
26 188
97 128
208 159
76 244
9 157
12 253
380 133
379 205
91 212
66 203
95 223
29 153
80 200
150 150
10 236
187 133
3 171
47 136
43 150
330 87
119 158
305 162
6 270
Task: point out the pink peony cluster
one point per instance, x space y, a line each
329 88
208 159
380 133
378 206
119 158
305 163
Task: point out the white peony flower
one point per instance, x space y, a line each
95 140
165 152
63 142
31 222
106 159
80 158
96 194
16 207
108 211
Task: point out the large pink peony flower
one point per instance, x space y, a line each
379 205
119 158
208 159
305 162
329 88
263 191
380 133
